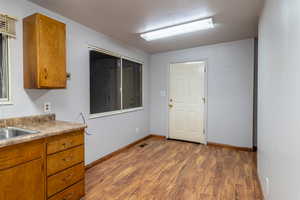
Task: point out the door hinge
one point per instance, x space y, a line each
203 99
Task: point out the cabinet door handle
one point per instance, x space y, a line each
46 73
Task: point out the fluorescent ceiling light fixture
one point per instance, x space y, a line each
179 29
193 62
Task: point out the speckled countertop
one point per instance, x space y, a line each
45 124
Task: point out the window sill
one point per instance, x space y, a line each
99 115
6 103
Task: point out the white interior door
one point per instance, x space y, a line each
187 102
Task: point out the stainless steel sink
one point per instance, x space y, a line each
12 132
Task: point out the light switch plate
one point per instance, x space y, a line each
163 93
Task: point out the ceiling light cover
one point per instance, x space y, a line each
193 62
179 29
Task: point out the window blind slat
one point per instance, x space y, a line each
7 25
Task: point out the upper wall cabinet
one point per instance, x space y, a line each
44 41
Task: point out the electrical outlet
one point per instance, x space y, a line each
137 130
47 107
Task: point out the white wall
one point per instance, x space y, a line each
230 90
279 99
109 133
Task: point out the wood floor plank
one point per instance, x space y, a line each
174 170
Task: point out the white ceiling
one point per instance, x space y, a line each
125 19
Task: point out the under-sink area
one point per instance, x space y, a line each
12 132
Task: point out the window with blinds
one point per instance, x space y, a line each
7 30
7 25
4 70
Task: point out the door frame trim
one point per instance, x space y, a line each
205 95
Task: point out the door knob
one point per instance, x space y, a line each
170 106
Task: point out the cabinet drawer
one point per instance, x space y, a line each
64 179
75 192
17 154
63 142
62 160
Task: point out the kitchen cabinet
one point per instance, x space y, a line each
44 53
48 168
65 166
22 174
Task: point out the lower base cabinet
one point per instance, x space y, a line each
51 168
23 182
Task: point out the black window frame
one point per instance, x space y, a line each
122 109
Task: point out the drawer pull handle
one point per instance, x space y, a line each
67 144
67 159
68 196
67 178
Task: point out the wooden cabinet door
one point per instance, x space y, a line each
23 182
52 53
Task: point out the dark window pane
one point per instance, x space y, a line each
132 84
105 83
